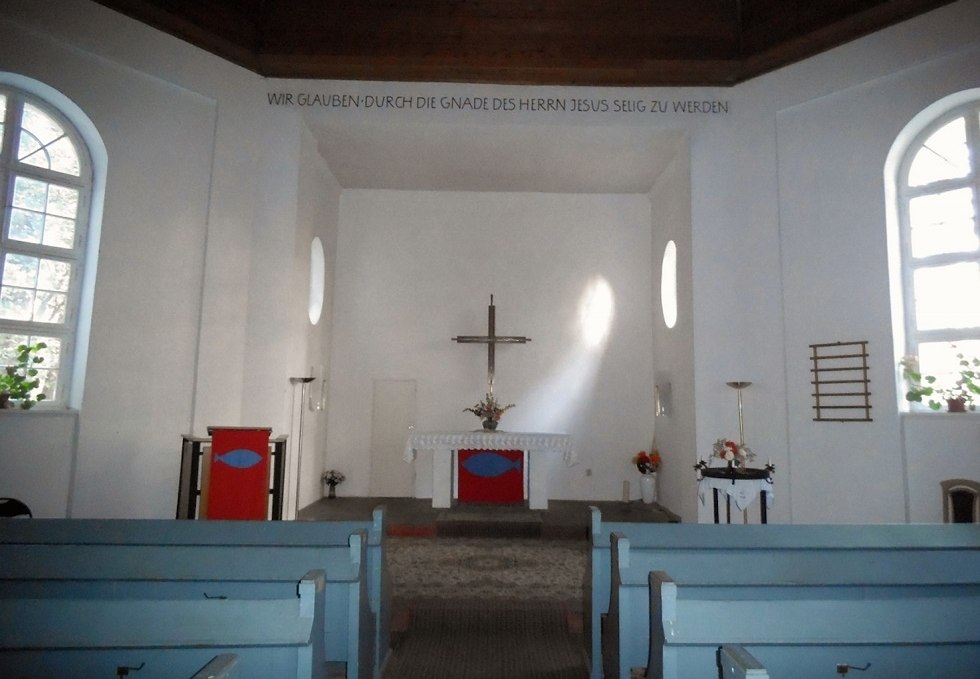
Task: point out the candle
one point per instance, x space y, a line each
626 491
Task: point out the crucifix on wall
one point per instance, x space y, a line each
491 339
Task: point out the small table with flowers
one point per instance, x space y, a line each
741 484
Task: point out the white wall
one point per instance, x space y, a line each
415 269
170 321
213 196
673 348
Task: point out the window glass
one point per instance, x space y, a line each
44 143
940 293
43 213
942 222
944 155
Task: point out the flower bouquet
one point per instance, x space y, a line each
734 454
489 410
647 464
332 478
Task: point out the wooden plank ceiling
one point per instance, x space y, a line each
542 42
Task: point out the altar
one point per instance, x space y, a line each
539 449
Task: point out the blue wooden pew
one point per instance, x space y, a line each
734 662
176 554
224 666
806 631
91 637
829 554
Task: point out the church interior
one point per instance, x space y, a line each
642 224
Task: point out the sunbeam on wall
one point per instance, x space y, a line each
558 400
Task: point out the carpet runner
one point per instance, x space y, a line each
469 608
452 639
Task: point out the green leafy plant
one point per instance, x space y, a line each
963 392
19 382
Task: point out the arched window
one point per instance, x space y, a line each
938 192
46 183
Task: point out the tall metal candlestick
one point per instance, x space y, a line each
738 387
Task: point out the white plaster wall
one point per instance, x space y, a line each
319 207
831 155
177 168
415 269
673 348
208 216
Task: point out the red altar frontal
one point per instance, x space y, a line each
490 476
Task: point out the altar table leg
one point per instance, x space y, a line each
763 499
714 492
442 480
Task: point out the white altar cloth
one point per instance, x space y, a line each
444 445
743 491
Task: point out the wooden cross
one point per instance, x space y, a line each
491 339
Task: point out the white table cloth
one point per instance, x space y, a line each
742 491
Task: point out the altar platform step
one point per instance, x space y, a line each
416 517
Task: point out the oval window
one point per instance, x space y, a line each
668 284
317 273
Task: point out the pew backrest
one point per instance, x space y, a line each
747 554
221 558
917 622
71 636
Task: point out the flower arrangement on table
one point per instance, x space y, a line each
734 454
489 410
647 464
332 478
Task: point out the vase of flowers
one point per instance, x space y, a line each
647 465
332 478
735 454
489 411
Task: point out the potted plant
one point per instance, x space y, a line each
963 392
489 410
332 478
19 381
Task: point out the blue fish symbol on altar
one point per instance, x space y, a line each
489 464
239 458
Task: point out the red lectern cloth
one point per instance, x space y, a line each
238 478
491 476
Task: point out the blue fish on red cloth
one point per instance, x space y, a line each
489 464
239 458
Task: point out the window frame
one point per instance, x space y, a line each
10 169
970 112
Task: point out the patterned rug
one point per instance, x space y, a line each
487 608
487 569
488 640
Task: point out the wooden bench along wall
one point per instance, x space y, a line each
91 637
805 631
227 558
740 554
